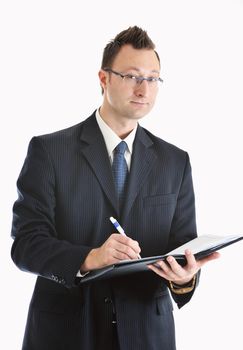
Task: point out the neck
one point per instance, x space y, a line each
120 125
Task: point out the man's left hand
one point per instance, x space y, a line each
174 272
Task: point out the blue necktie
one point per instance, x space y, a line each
120 170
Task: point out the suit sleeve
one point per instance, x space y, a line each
37 248
183 228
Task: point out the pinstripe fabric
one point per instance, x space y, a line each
120 170
66 196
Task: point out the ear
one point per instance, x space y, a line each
103 76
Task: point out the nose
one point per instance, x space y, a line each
142 88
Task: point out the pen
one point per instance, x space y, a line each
119 229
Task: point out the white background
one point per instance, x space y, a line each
50 55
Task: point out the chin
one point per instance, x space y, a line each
137 116
141 113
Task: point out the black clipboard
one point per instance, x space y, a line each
201 247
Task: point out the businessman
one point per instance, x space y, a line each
72 182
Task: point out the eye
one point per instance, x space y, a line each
130 76
152 79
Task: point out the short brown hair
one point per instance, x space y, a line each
134 36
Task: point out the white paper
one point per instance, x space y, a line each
202 243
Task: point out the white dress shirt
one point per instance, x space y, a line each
112 140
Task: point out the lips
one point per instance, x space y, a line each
140 103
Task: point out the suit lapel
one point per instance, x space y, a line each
95 152
143 159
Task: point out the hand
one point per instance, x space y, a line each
116 248
174 272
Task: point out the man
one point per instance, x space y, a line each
68 188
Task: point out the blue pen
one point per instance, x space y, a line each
119 229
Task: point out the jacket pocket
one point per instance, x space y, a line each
159 200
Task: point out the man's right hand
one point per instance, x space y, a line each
116 248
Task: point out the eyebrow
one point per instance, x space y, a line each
138 70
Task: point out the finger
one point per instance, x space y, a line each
120 256
175 267
191 261
127 247
129 252
126 241
169 276
166 268
110 254
157 270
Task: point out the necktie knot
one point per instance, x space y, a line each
121 148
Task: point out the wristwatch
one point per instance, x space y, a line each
182 289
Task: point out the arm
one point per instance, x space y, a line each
37 247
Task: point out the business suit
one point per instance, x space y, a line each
66 196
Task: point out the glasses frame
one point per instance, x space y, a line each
138 79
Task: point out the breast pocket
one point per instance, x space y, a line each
159 200
157 216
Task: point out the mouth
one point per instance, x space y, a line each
139 103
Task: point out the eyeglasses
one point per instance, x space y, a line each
133 80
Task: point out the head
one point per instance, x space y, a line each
127 60
134 36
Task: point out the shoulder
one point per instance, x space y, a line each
163 147
65 137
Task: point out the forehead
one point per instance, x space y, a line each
129 58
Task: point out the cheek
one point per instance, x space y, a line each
117 95
153 98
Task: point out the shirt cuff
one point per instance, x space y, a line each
79 274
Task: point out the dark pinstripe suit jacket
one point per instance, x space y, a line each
66 196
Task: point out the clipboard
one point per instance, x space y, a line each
201 247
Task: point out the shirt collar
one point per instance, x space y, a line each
111 138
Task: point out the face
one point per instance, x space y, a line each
123 100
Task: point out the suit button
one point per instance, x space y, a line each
107 300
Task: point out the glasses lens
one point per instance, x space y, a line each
133 81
